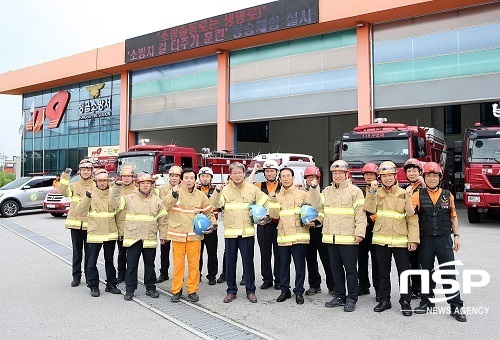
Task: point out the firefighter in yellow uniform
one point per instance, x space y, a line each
395 232
75 222
182 204
102 232
293 237
174 178
128 187
239 230
344 226
145 217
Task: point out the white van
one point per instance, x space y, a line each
295 161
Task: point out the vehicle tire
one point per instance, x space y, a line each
56 214
9 208
474 215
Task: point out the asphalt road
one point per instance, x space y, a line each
38 302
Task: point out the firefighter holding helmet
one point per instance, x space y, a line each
395 233
75 222
437 220
145 217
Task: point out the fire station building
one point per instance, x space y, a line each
289 75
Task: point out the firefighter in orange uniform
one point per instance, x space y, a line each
183 203
75 222
437 219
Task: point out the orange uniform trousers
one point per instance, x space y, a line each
179 251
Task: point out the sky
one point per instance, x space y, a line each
34 32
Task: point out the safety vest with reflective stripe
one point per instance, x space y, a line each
102 224
236 202
75 191
344 217
144 218
285 206
392 227
181 211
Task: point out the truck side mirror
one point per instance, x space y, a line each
163 160
421 154
336 150
472 136
421 144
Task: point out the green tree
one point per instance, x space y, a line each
6 178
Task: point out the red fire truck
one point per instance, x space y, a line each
157 159
481 163
394 142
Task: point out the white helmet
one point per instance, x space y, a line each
206 170
270 164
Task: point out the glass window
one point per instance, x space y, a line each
479 37
115 137
182 68
340 79
272 88
94 139
63 141
364 151
435 44
485 150
244 91
487 117
306 83
392 50
105 138
73 140
83 140
186 162
36 183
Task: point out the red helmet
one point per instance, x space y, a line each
370 167
433 168
312 171
413 163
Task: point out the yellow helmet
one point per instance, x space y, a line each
85 163
127 170
176 170
101 173
144 176
387 167
339 165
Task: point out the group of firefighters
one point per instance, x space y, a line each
348 225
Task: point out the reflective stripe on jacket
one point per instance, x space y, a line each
144 217
102 224
392 227
76 191
181 211
286 207
344 216
236 202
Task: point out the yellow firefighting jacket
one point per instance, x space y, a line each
164 189
286 207
102 223
120 214
392 227
181 211
236 201
144 217
344 216
76 191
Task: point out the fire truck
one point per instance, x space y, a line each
157 159
382 141
480 152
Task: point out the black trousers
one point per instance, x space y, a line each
298 252
92 272
440 247
80 251
122 258
267 237
246 246
148 257
343 261
223 273
384 258
314 247
164 257
415 264
210 241
365 250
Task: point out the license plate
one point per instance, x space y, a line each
473 199
51 206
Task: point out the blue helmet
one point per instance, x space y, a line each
201 223
258 212
308 213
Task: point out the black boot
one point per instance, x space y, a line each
76 281
406 308
382 306
111 288
285 294
423 307
94 292
458 314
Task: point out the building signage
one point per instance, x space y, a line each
265 18
54 112
103 151
94 108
